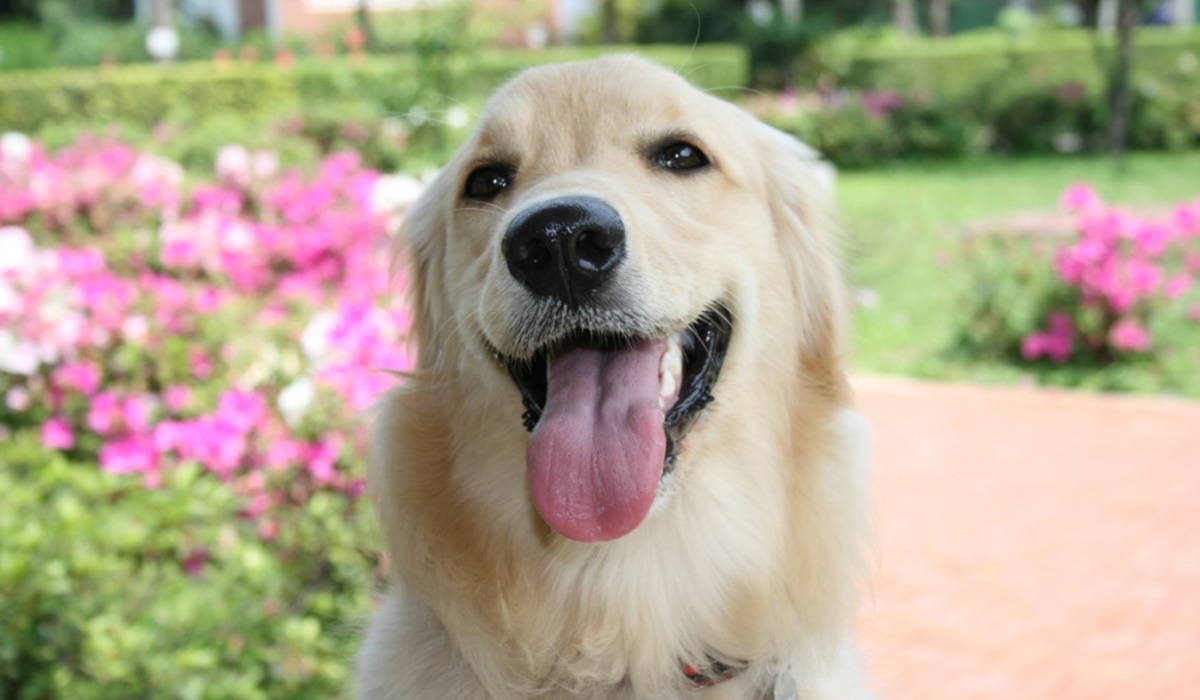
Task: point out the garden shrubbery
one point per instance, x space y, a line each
186 363
144 95
890 99
1082 308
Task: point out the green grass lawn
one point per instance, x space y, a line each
903 227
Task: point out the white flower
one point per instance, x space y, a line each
16 146
10 300
394 193
315 338
17 356
16 248
135 328
295 400
264 165
17 399
233 164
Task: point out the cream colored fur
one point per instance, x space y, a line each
755 550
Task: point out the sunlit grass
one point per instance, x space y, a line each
903 225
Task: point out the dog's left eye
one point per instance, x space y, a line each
680 156
486 182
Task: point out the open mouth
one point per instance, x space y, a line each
609 413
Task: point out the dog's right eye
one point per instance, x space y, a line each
486 182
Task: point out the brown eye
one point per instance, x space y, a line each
486 182
680 156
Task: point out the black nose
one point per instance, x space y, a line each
565 248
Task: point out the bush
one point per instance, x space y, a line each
865 129
22 46
185 368
989 92
954 67
1108 297
145 95
114 590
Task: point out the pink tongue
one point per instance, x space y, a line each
596 455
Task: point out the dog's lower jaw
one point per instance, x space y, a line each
508 606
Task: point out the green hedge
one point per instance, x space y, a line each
146 94
992 92
956 66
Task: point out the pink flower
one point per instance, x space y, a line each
322 459
1143 276
1127 335
1177 286
200 364
83 377
193 564
57 435
1057 342
241 410
258 504
1152 238
133 455
135 412
268 529
177 397
283 453
1080 197
104 413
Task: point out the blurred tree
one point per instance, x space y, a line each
608 22
939 17
363 18
904 14
1120 105
18 9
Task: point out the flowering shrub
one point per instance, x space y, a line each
176 335
1121 268
1109 294
152 328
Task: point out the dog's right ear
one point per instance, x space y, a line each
421 250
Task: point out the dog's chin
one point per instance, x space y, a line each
609 412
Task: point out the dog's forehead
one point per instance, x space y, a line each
567 108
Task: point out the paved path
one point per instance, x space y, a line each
1033 545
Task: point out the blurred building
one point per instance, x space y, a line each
545 20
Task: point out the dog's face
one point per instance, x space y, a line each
614 250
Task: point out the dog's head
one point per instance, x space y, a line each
614 250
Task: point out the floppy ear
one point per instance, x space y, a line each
800 188
421 248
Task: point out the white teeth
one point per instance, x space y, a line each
670 372
666 389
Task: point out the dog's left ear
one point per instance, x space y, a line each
800 187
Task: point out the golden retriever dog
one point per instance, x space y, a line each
627 465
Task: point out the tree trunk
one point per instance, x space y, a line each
161 14
363 19
1120 96
608 21
939 17
904 14
792 10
